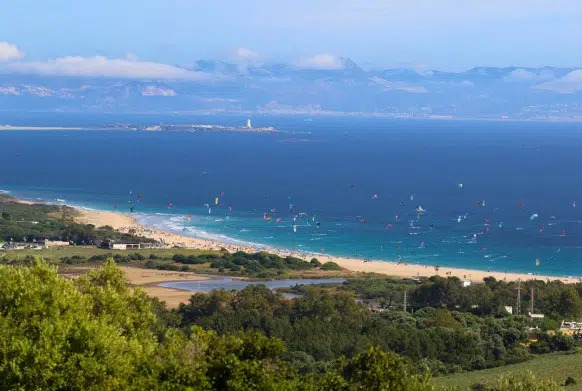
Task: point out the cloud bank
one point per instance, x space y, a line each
9 52
244 54
524 75
568 84
100 66
319 61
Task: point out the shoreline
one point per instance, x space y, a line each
125 223
10 127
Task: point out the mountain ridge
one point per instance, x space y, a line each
514 92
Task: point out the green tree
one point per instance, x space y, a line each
54 336
377 370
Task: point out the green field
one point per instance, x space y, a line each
56 253
553 366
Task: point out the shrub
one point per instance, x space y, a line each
315 262
330 266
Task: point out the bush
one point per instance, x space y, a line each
570 381
330 266
315 262
552 343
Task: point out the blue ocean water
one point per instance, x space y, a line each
329 169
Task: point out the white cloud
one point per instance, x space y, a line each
524 75
568 84
129 56
244 54
398 86
9 51
319 61
100 66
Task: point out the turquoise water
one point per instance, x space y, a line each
330 173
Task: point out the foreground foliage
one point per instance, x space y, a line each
97 333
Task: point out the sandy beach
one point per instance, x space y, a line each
126 223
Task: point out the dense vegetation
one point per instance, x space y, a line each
321 326
95 333
558 301
34 223
261 265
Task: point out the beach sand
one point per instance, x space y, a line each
149 280
126 223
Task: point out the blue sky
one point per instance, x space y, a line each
438 34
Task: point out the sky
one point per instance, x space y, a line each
433 34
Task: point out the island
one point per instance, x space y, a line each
197 128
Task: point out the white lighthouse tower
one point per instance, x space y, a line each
249 124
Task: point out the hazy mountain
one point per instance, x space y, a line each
291 88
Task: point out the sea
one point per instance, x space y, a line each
487 195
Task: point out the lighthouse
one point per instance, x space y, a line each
249 124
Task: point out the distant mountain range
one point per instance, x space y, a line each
512 92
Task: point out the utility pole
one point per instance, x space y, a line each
405 301
531 296
518 306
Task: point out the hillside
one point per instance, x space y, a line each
555 366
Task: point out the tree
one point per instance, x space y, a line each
377 370
315 262
55 336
